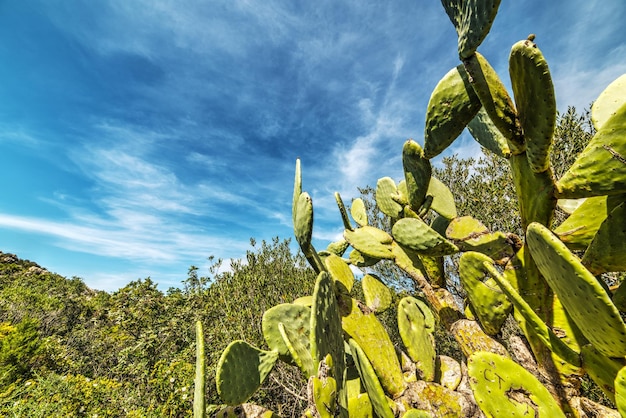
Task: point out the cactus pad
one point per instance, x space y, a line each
472 20
535 100
357 210
535 192
607 251
326 334
504 388
581 226
417 335
452 105
303 221
370 381
602 369
416 235
611 99
241 370
199 382
490 306
581 294
417 171
295 317
443 200
369 241
600 169
298 348
377 294
620 391
386 190
371 336
497 103
488 135
340 272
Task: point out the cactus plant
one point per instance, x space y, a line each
564 312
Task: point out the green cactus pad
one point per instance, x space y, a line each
343 212
417 335
436 400
325 396
619 297
497 103
607 251
490 306
578 230
416 235
470 234
338 248
298 348
340 272
326 335
369 379
357 210
452 105
536 104
199 382
600 169
377 294
410 261
535 192
602 369
386 190
416 413
303 221
369 333
443 200
439 224
241 370
304 301
504 388
297 190
417 170
361 260
581 294
532 320
464 228
295 317
472 20
371 242
244 411
359 406
611 99
620 391
488 135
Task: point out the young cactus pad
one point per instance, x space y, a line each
503 388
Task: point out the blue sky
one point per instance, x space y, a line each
139 137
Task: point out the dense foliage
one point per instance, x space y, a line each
67 350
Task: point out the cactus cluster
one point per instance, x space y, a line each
568 317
